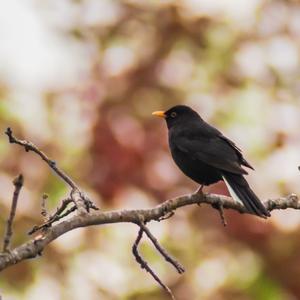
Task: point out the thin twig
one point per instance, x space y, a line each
44 212
61 208
48 224
80 199
144 264
28 146
18 183
219 208
58 215
180 269
88 202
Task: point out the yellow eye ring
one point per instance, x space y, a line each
173 114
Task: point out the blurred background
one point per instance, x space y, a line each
80 79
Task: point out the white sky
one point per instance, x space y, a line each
33 56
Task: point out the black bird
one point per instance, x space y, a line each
205 155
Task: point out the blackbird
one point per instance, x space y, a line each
205 155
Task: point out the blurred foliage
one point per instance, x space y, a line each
81 78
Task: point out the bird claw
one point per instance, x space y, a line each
199 192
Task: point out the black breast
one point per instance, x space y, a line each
197 170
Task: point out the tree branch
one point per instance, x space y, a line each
82 204
35 246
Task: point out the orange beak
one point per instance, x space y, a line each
159 113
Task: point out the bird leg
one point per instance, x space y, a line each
200 190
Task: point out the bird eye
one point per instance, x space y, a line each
173 114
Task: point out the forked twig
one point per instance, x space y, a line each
56 216
82 202
144 264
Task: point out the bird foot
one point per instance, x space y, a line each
199 191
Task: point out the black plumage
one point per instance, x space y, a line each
205 155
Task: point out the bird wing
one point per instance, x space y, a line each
214 151
238 151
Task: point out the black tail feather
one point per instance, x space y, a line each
240 187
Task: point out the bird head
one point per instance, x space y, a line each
179 114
